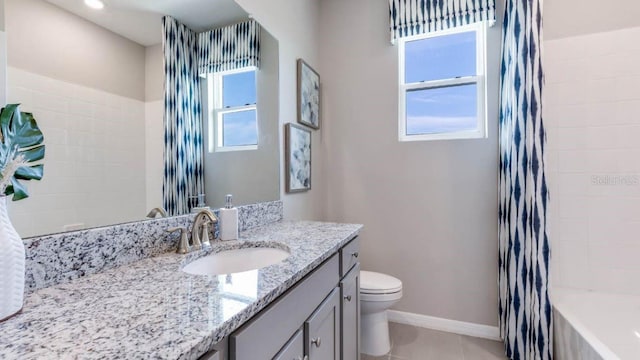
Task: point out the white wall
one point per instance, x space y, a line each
154 148
63 46
591 107
154 126
429 208
295 24
234 172
153 72
94 155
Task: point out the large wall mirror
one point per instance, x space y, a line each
94 81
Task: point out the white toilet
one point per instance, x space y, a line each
378 292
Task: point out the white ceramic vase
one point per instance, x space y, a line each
11 265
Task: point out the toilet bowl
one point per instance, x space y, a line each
378 292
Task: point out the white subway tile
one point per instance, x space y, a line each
573 161
595 162
627 88
92 152
573 184
571 138
601 90
574 263
616 280
572 115
573 207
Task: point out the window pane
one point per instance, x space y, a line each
239 89
239 128
441 110
440 57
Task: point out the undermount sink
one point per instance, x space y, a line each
236 260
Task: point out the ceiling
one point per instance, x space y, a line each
139 20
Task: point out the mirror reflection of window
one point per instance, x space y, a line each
237 291
233 116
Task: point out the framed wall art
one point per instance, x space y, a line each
308 95
297 158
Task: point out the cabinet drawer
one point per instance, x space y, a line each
322 330
294 349
350 295
266 333
349 256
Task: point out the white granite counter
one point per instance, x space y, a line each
151 309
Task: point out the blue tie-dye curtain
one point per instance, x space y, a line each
183 146
525 308
415 17
231 47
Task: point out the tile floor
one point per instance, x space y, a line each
413 343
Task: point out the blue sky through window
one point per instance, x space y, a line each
239 128
239 89
444 109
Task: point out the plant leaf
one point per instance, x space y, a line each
5 119
19 191
30 172
20 137
26 130
33 154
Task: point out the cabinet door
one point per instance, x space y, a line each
263 336
294 349
350 291
322 330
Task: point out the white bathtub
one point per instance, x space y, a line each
593 325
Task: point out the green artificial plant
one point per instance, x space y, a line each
21 146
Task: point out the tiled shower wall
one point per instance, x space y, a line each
592 113
95 156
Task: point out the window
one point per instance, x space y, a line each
233 119
442 88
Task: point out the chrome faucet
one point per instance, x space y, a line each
155 211
199 232
200 228
183 244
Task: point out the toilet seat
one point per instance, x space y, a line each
381 297
373 283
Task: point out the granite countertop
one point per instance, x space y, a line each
151 309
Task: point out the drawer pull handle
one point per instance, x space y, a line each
355 254
317 342
348 298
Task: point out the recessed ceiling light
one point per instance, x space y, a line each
94 4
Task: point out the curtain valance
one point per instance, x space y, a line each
230 47
415 17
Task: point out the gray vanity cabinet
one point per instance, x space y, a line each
350 295
317 319
294 349
322 330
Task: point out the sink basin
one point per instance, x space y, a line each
237 260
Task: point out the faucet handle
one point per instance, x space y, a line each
204 238
183 244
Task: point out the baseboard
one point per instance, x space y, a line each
452 326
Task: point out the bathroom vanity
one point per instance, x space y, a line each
305 307
317 319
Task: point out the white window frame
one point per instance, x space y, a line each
478 79
217 111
